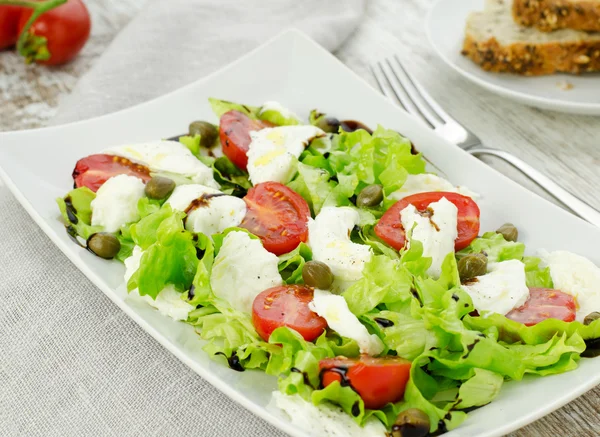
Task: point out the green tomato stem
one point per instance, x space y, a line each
38 7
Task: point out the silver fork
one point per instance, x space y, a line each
394 80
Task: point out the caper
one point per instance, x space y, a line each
370 196
208 133
159 187
591 317
411 423
508 231
329 124
104 245
471 265
317 274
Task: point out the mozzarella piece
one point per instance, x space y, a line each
577 276
326 419
116 202
278 107
423 183
214 215
243 269
167 156
437 233
273 152
329 239
168 302
502 289
334 309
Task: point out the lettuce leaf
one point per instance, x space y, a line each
220 107
169 253
535 275
495 247
382 158
292 263
76 211
231 179
385 281
315 185
192 143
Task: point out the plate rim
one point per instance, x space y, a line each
528 99
283 425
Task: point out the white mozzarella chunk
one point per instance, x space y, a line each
214 214
242 270
500 290
167 156
278 107
577 276
273 152
329 239
325 419
334 309
169 301
436 232
116 202
424 183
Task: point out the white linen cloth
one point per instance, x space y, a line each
71 362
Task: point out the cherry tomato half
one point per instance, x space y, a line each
277 215
94 170
66 28
544 303
286 305
9 25
378 381
390 229
234 131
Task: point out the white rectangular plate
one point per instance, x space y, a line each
37 164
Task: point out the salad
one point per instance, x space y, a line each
324 254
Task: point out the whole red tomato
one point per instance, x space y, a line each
65 29
9 25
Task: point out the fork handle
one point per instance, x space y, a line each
578 206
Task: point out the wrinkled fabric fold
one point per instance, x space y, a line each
173 43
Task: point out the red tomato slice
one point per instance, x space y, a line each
544 303
94 170
277 215
234 131
378 381
286 305
390 229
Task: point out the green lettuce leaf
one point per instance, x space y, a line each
276 117
382 158
316 187
385 281
479 390
192 143
169 259
292 263
76 211
536 276
495 247
220 107
231 179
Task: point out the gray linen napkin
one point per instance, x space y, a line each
71 363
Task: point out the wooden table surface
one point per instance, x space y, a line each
563 146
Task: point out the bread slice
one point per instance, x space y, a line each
549 15
496 43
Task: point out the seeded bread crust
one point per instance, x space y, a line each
533 59
549 15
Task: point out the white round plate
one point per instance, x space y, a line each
445 28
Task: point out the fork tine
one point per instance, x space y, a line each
400 93
414 95
437 109
383 83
